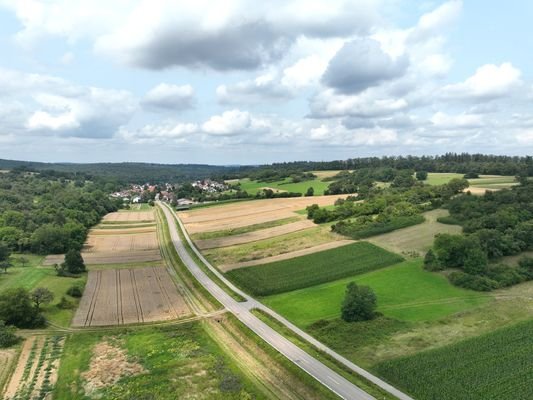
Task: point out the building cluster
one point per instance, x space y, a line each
210 186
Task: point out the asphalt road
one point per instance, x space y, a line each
329 378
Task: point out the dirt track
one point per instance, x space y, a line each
255 235
285 256
126 296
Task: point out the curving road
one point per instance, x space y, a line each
329 378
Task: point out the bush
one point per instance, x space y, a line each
473 282
74 263
65 304
448 220
421 175
504 275
7 335
16 309
75 291
368 227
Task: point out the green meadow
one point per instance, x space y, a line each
405 292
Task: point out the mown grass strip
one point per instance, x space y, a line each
244 229
324 358
312 269
498 365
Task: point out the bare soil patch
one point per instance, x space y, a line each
126 296
255 235
129 216
286 256
108 364
237 215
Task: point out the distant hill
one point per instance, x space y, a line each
130 172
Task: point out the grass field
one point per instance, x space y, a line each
404 291
317 184
176 362
488 181
312 269
498 365
32 276
418 238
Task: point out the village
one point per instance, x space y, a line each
182 195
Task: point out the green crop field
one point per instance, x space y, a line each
439 178
312 269
34 275
405 291
498 365
301 187
179 362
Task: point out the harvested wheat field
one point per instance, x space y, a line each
248 213
121 230
254 235
128 296
130 216
121 243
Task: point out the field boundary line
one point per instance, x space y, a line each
92 304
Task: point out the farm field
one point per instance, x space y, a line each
405 292
35 374
418 238
244 229
119 239
492 182
126 296
285 185
181 361
312 269
241 255
254 236
238 215
130 216
286 256
497 365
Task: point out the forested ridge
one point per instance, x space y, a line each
50 215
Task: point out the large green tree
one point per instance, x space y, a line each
16 308
74 262
359 303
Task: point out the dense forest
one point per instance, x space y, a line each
43 214
495 225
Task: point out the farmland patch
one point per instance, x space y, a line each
497 365
313 269
126 296
130 216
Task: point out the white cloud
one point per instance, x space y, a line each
490 81
263 88
235 34
360 64
304 72
53 105
170 97
235 122
525 138
159 133
466 121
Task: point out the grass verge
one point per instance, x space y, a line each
324 358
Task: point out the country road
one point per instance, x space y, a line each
329 378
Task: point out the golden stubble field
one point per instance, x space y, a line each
128 296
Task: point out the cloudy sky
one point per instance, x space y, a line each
246 82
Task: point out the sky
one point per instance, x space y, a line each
252 82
